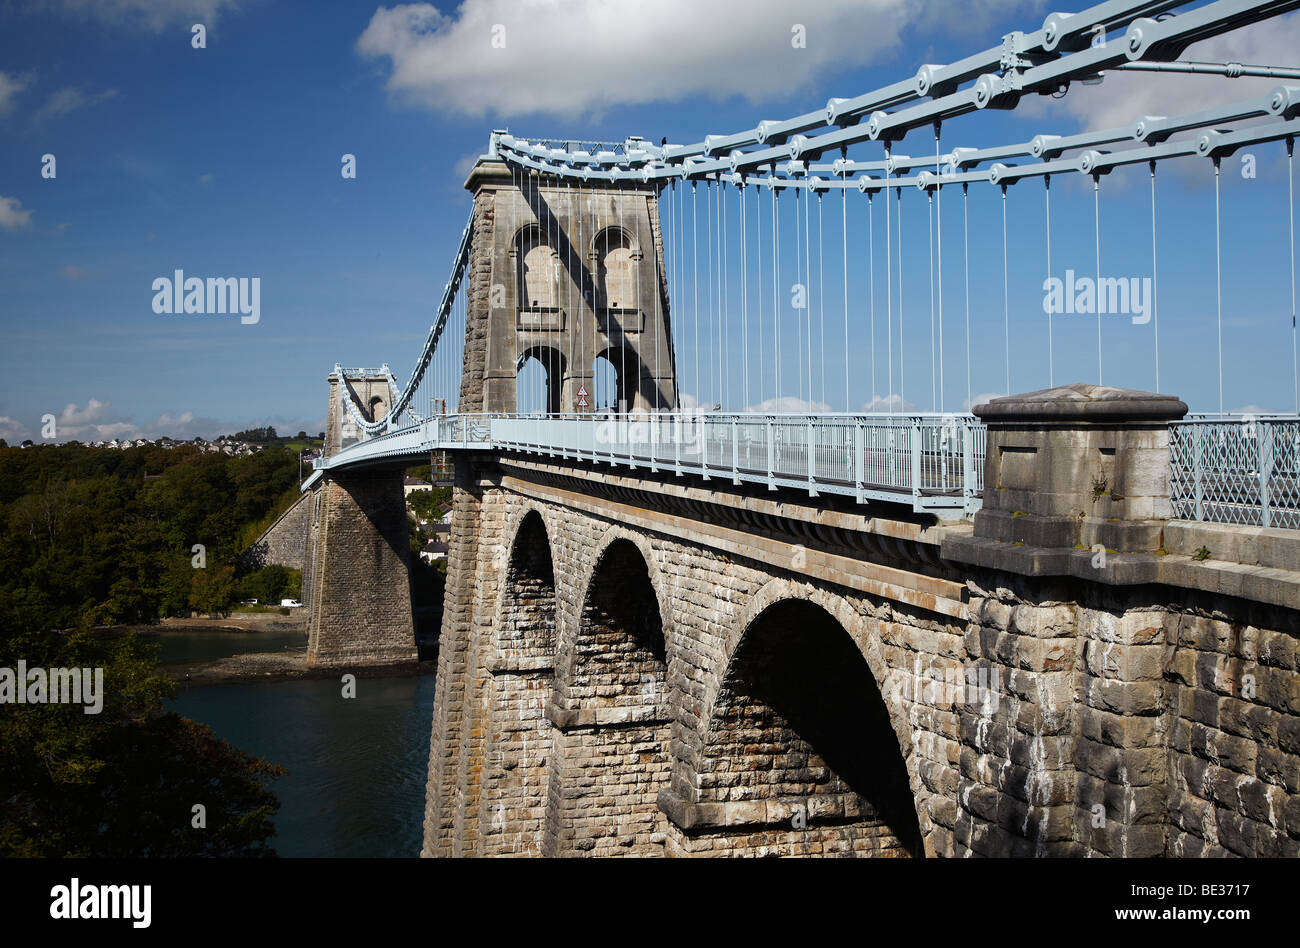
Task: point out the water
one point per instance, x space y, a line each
205 646
357 767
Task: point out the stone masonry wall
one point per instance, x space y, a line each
285 542
1057 717
1146 722
478 312
612 757
361 592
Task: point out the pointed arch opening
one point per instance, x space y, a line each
617 270
517 745
621 656
613 730
538 271
616 376
528 594
539 380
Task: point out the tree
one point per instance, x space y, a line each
85 540
120 783
212 590
425 502
302 434
271 583
257 434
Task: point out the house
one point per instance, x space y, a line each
433 551
411 484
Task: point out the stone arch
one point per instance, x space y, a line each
620 610
376 408
611 707
627 370
617 271
519 737
658 582
554 364
526 607
537 264
838 747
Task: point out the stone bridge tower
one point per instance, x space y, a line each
566 275
371 394
355 580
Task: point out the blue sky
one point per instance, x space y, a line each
225 161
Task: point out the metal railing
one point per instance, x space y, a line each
1242 471
933 461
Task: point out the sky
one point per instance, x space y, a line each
225 161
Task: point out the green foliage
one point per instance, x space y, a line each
270 584
119 783
87 539
213 590
425 502
253 529
257 434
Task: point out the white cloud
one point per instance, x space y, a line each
154 15
888 403
689 404
980 399
71 99
574 57
11 215
10 86
73 417
13 431
464 165
94 422
1126 96
790 405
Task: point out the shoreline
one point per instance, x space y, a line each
237 623
280 666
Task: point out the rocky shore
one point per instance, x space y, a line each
280 666
235 623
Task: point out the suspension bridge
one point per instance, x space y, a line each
700 522
738 209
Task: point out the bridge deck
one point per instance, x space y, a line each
931 462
